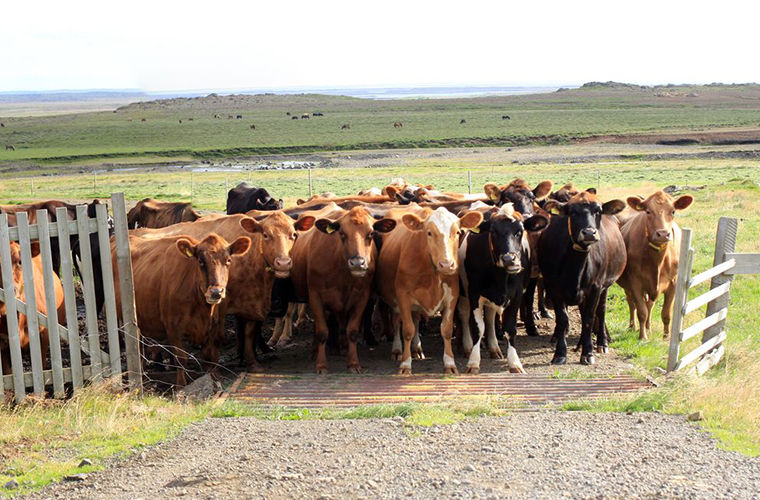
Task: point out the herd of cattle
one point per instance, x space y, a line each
404 252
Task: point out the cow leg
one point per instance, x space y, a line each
509 318
600 324
667 308
560 333
321 332
641 313
301 315
650 305
542 300
526 312
397 345
352 333
447 329
180 355
463 310
245 351
408 327
527 303
251 331
473 363
369 337
631 310
588 315
416 342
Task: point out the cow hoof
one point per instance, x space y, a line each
321 370
587 359
577 348
473 369
254 368
517 369
404 371
396 356
559 360
355 369
546 315
602 349
282 344
451 370
496 353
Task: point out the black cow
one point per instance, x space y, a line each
244 198
581 254
97 270
494 275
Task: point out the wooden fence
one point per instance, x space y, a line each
87 360
726 264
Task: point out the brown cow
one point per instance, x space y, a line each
251 276
179 286
39 293
653 241
153 213
417 274
397 124
333 267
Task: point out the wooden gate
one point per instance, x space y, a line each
726 264
87 360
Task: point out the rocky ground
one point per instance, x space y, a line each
529 455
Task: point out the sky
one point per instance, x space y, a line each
162 45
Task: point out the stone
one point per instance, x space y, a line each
696 416
85 462
75 477
200 389
11 485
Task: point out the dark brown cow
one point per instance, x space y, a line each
345 126
155 214
397 125
10 147
653 242
252 275
179 286
417 274
333 268
39 293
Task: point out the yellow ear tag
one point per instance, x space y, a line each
330 230
555 210
475 230
494 197
188 252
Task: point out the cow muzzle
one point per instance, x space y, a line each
510 262
661 236
282 267
447 266
358 266
589 235
215 294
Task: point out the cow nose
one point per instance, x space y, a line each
357 262
283 263
590 233
510 259
447 266
215 294
662 235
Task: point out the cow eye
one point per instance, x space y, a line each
430 233
266 236
371 235
229 260
294 236
672 212
648 211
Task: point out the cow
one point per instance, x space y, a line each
154 214
244 198
345 126
253 275
373 191
239 117
180 284
397 124
505 117
143 120
287 113
462 121
21 292
417 274
652 242
494 270
180 122
317 113
305 116
2 125
581 254
294 117
253 127
333 267
10 147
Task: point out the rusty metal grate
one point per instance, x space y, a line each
508 390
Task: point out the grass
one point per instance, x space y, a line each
43 441
544 118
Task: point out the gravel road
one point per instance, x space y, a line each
530 455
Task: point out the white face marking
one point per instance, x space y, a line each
478 204
444 220
507 210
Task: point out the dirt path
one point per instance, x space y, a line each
534 455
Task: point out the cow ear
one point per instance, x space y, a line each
300 201
429 187
543 189
412 222
384 225
391 192
35 248
280 204
305 222
555 207
683 202
635 203
401 200
250 225
470 220
327 226
493 192
591 190
535 223
613 207
240 246
185 247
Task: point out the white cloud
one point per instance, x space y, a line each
160 45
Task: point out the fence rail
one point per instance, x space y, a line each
38 310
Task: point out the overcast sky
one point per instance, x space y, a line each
167 45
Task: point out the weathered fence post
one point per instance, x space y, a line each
725 242
126 284
309 182
682 288
32 321
469 182
192 188
11 317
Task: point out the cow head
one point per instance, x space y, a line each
268 203
214 256
519 193
564 193
442 229
505 229
278 233
660 209
584 217
18 275
405 195
356 230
